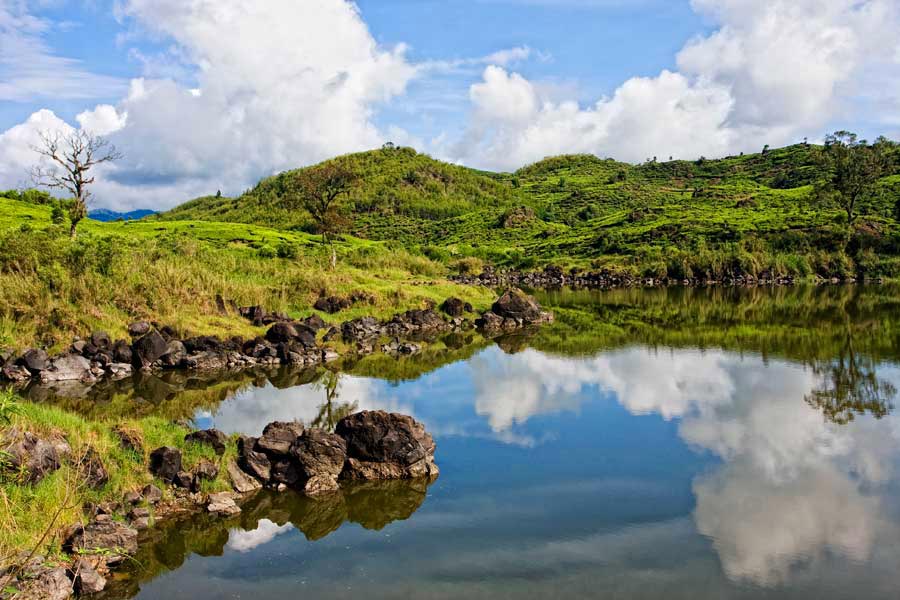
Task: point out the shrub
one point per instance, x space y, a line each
267 251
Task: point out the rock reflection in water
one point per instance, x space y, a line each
373 505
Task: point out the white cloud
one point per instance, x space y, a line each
30 70
16 154
771 73
266 531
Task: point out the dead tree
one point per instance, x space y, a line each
69 161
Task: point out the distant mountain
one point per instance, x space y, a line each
103 214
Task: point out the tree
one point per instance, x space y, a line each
71 158
852 169
319 190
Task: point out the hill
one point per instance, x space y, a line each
748 214
105 215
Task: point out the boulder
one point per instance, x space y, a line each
138 329
92 470
222 504
321 455
33 456
283 332
214 438
240 481
35 360
362 329
115 540
490 321
165 463
175 353
315 322
87 579
383 445
46 584
206 470
454 307
152 494
68 367
285 472
148 349
515 304
15 373
121 352
185 480
100 340
278 437
332 304
252 461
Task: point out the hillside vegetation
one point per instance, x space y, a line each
745 215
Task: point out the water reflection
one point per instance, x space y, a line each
703 445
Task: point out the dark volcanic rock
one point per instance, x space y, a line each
45 584
315 322
320 455
35 360
33 456
206 470
332 304
362 329
149 349
515 304
165 463
209 437
383 445
175 354
115 540
138 329
151 494
121 352
281 333
253 461
454 307
278 437
100 340
87 579
183 479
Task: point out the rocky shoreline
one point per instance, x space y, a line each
365 447
303 342
553 277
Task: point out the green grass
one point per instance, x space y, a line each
27 511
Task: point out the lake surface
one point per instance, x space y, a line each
651 444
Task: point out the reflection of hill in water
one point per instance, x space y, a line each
372 505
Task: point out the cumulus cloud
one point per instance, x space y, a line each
16 154
771 72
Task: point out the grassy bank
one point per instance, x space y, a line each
35 516
52 288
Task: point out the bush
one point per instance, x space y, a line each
287 250
266 251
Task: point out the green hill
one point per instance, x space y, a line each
748 214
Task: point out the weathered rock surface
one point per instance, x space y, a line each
31 455
68 367
87 579
278 437
214 438
320 456
253 461
222 504
148 349
115 540
92 470
35 360
165 463
241 481
46 584
513 310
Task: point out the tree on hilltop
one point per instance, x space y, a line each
69 160
852 169
319 190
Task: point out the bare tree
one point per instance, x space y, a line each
70 160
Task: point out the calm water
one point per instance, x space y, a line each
663 444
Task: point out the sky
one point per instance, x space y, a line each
207 95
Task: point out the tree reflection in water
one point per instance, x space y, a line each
331 412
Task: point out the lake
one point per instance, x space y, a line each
669 443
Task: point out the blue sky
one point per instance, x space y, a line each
204 95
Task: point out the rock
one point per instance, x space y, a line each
148 349
329 355
92 470
152 494
515 304
132 498
129 439
206 470
175 353
252 461
100 340
141 523
121 352
68 367
139 513
87 579
320 455
115 540
490 321
331 334
33 456
35 360
362 329
240 481
15 373
119 370
48 584
285 472
315 322
332 304
138 329
183 479
454 307
165 463
209 437
320 485
205 361
278 437
222 504
282 333
386 446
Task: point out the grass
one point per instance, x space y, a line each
52 288
26 511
